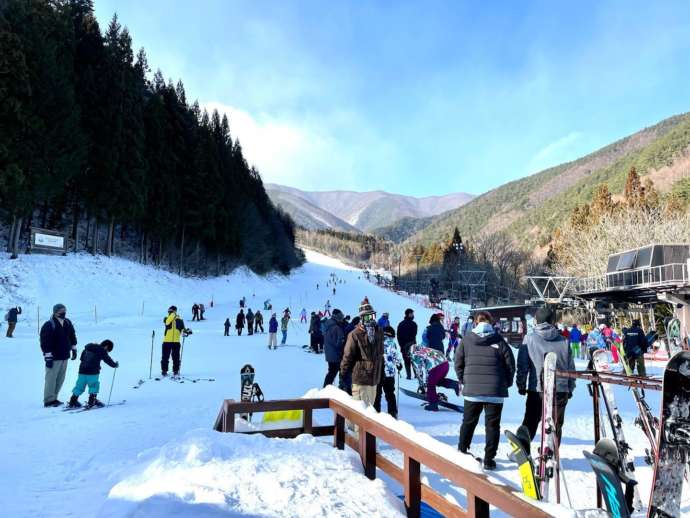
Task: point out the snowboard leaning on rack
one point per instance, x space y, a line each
520 454
610 485
674 439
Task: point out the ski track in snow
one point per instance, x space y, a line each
156 455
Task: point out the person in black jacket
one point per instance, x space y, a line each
89 371
12 320
435 333
635 345
333 347
239 322
407 335
58 344
315 334
250 322
485 366
226 325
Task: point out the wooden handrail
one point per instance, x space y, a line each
481 493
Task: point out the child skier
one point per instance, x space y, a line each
454 337
89 370
392 364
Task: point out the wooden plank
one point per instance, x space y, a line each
412 486
283 404
339 433
291 433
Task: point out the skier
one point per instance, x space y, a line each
303 316
435 333
258 321
485 366
431 367
454 337
243 301
363 355
284 326
467 326
575 338
239 322
174 326
195 312
327 309
11 318
89 371
334 291
272 331
393 363
58 344
267 305
250 322
315 335
202 310
407 335
544 339
333 346
227 327
384 321
635 345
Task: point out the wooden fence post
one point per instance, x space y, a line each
307 420
339 432
476 507
367 452
412 484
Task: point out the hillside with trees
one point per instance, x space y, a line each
123 163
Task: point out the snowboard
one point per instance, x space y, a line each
519 445
673 438
675 343
246 387
610 485
547 460
442 399
627 466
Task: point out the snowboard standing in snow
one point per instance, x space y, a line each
547 461
626 464
674 438
249 390
520 454
609 483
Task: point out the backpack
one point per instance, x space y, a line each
179 325
7 316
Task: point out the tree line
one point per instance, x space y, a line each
124 163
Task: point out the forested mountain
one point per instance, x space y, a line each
369 210
306 214
402 229
89 144
530 209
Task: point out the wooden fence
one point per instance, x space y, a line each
481 493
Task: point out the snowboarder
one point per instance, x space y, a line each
250 322
363 355
435 333
384 321
58 344
284 326
89 371
226 325
485 366
327 309
11 318
303 316
239 322
174 325
272 331
545 338
454 337
431 368
635 345
393 363
195 312
407 335
334 346
258 321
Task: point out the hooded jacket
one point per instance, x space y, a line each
435 334
91 358
485 365
364 359
333 341
545 338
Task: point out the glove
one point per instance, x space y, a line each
48 357
117 364
74 354
522 392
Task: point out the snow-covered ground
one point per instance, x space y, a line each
155 455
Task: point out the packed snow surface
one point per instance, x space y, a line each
156 455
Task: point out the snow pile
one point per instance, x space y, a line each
208 473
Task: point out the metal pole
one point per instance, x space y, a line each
111 387
153 334
95 314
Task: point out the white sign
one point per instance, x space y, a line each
49 241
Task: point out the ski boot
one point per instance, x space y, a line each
93 402
74 402
489 464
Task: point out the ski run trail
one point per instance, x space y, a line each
157 455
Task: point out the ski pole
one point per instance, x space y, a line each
153 334
111 387
398 395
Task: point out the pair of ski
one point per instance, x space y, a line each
176 379
85 408
536 480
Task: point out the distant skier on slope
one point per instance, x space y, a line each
258 321
272 332
284 326
250 321
239 322
303 316
226 325
89 372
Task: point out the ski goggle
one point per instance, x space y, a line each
368 318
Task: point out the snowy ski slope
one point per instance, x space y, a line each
156 456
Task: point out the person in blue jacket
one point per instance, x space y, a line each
384 321
273 332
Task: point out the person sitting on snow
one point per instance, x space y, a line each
89 371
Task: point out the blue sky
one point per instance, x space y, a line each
419 98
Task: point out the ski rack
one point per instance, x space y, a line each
596 378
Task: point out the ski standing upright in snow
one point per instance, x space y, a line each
674 439
547 461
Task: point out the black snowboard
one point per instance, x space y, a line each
442 401
610 485
674 438
246 387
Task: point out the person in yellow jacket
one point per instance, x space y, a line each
174 327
